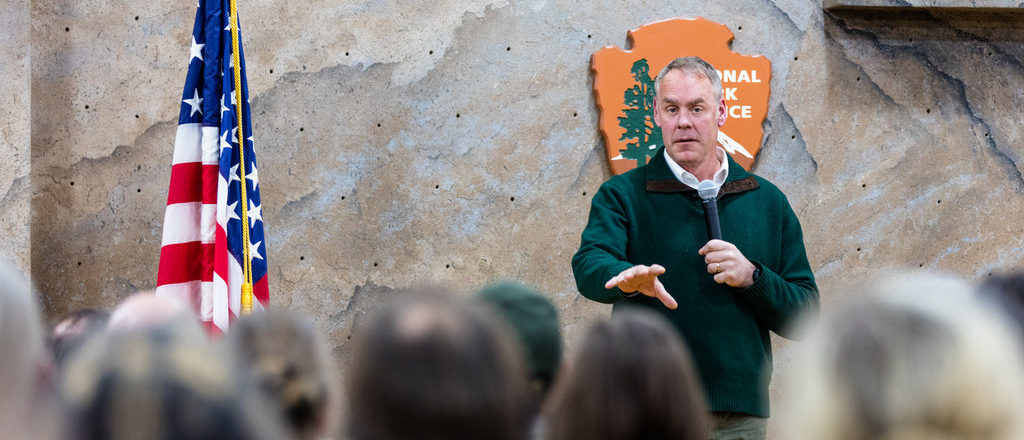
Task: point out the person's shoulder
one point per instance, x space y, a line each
634 178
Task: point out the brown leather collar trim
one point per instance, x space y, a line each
731 187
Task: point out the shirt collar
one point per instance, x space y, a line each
690 180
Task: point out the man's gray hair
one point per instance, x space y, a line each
693 66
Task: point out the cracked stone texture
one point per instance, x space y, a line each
15 195
414 142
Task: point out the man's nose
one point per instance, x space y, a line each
684 120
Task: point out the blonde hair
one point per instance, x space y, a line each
918 358
22 353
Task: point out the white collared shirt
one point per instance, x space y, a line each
690 180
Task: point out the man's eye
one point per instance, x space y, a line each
671 110
698 109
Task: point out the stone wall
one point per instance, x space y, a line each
15 190
408 142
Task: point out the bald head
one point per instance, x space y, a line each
146 310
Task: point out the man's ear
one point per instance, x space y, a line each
723 112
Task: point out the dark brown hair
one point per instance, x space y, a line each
631 378
436 367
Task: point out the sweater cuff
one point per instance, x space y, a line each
623 265
760 293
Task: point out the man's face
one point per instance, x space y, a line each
689 117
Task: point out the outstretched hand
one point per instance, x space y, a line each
643 279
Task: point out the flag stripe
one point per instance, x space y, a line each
188 183
183 222
187 137
183 262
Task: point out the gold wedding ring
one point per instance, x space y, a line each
718 268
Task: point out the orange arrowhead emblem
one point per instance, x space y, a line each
624 89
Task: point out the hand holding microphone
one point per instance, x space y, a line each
724 260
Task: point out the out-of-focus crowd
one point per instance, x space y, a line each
919 356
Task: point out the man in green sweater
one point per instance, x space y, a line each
646 245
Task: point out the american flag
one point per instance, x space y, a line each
201 254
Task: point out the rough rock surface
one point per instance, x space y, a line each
455 142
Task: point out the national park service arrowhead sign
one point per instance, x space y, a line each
624 89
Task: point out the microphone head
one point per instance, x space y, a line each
707 189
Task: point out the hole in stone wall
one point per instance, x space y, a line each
938 202
342 197
796 58
72 183
67 29
87 106
927 110
739 28
858 78
431 51
346 53
920 265
986 134
271 70
584 193
458 115
574 114
990 274
508 48
793 137
512 199
138 190
301 128
589 35
302 257
136 116
136 18
437 186
858 249
447 266
378 125
374 264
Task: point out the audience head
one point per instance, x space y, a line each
148 311
534 319
1007 291
630 378
915 357
290 362
23 357
73 329
165 383
436 367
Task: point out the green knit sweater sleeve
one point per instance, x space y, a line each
787 291
602 253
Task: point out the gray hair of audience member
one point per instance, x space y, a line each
631 378
436 367
916 356
161 384
692 66
23 357
289 360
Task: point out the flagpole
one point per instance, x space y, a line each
247 298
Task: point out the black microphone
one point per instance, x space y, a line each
709 198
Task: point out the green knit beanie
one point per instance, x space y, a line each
535 321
